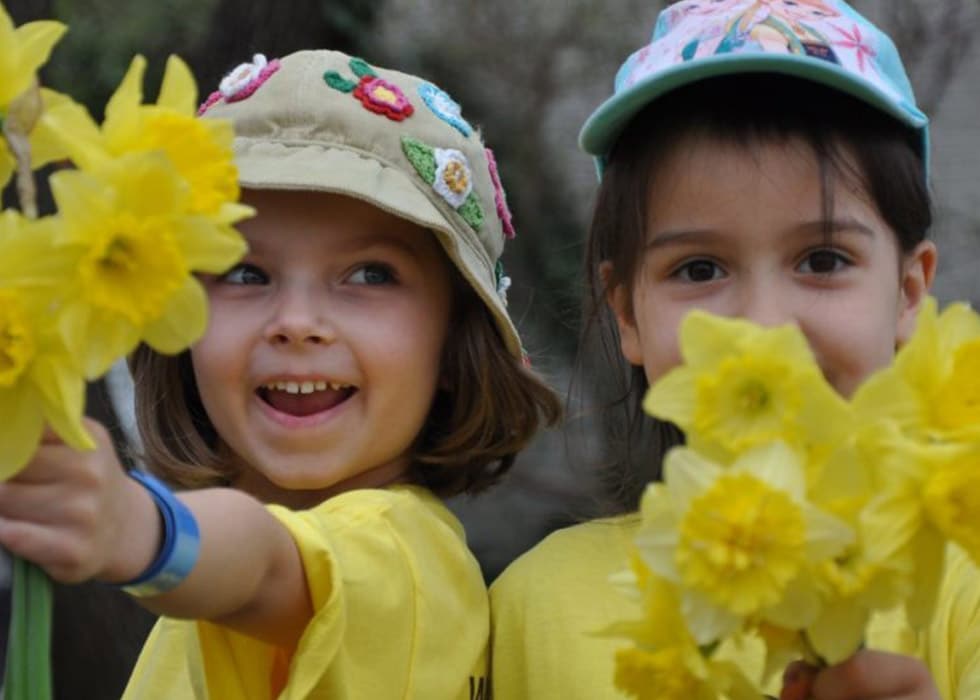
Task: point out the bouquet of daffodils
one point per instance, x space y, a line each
145 200
793 515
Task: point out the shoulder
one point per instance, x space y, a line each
404 509
578 555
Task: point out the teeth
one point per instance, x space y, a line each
307 387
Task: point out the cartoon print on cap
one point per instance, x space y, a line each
376 94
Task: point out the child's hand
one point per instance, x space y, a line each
868 675
77 515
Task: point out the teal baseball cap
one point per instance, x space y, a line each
823 41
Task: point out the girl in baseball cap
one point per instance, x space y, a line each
762 159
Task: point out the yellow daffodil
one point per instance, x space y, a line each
929 493
665 662
39 379
23 50
199 149
140 248
932 390
739 541
741 386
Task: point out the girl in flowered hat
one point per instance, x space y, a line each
751 183
359 363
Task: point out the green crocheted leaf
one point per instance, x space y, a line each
472 212
338 82
361 68
422 158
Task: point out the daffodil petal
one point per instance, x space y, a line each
705 338
178 91
82 200
21 424
66 128
889 523
233 212
208 247
826 535
839 630
97 338
687 475
799 605
62 391
36 40
183 321
707 622
673 397
777 465
929 554
121 122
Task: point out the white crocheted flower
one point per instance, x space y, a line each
242 77
454 180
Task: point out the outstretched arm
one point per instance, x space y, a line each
79 516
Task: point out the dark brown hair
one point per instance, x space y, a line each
490 410
850 139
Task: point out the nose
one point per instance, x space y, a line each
762 302
299 317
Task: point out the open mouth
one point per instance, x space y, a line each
304 398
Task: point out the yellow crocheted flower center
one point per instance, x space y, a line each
456 177
741 542
133 270
17 347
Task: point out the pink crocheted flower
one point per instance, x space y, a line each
500 199
242 82
382 97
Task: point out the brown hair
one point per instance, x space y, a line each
490 410
850 139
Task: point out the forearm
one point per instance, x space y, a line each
248 575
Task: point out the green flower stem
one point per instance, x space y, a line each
28 674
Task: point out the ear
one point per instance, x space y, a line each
918 272
620 302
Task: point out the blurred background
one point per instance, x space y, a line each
528 72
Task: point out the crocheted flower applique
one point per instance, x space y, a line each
376 94
242 82
445 107
500 198
448 172
503 282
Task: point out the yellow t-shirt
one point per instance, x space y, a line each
545 606
400 611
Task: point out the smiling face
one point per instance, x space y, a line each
322 353
741 233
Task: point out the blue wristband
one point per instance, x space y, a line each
180 546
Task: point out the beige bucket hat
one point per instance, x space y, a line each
327 122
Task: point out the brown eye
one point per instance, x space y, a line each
823 262
699 271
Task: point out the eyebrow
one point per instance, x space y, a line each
668 238
257 244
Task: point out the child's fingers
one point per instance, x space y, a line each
875 674
49 437
48 548
797 681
